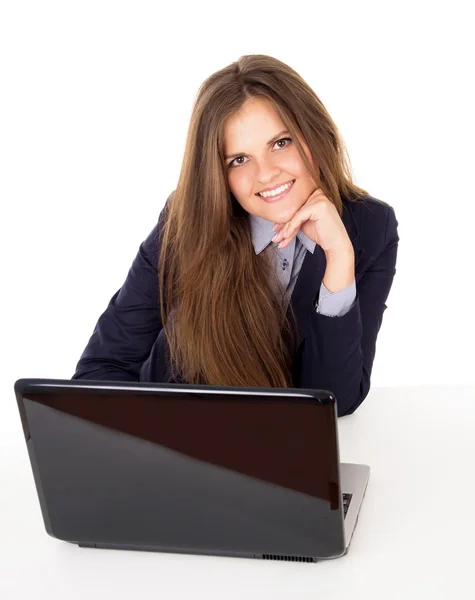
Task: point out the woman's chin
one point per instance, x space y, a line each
281 216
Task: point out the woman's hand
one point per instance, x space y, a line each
319 220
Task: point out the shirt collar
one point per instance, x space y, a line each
262 234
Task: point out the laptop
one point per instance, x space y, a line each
195 469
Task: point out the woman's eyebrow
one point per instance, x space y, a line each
274 139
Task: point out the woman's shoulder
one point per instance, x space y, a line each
369 207
375 222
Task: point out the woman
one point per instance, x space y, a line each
303 310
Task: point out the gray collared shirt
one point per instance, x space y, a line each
288 262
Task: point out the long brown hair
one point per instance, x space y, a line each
222 321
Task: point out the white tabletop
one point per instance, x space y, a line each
414 537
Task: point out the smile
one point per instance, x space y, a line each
277 194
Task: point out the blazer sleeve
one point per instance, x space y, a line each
126 331
338 352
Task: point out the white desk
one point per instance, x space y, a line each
414 538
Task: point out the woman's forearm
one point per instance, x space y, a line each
340 270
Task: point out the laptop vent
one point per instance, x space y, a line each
288 558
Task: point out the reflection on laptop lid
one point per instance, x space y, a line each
245 472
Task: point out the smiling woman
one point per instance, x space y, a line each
209 299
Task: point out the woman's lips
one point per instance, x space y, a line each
279 196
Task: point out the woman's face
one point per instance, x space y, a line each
257 159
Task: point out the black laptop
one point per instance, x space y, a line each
196 469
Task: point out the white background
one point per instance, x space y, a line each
95 105
95 102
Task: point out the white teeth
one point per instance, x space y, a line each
276 192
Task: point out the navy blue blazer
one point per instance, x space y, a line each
334 353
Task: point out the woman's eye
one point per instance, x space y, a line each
239 157
284 140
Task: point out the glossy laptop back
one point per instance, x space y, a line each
251 472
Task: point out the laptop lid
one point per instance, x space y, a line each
186 468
